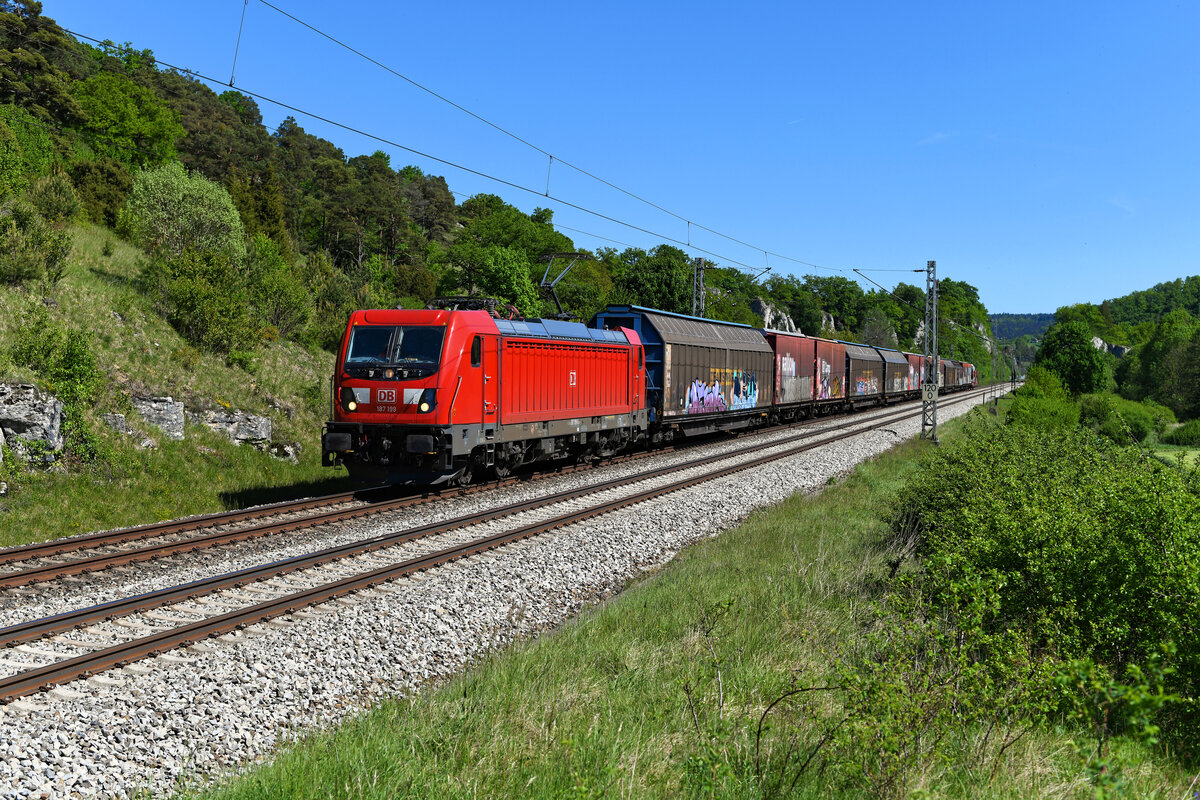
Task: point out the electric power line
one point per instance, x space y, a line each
550 156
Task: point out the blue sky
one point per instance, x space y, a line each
1046 153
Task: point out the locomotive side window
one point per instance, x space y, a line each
477 351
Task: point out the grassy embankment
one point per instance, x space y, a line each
140 353
661 690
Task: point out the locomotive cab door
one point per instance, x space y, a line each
491 384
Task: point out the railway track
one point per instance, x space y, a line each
159 621
59 558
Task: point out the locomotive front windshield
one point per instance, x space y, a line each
404 346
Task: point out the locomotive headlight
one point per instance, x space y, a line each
427 402
349 401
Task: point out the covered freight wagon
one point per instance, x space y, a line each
896 378
702 375
865 375
830 377
795 360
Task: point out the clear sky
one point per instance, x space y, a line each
1045 152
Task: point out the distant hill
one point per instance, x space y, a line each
1010 326
1150 305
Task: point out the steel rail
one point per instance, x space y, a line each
40 628
71 544
83 666
49 572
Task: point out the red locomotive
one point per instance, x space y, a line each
445 394
439 395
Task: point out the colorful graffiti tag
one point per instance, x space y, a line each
866 383
703 398
829 386
745 391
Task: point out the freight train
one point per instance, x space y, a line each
447 394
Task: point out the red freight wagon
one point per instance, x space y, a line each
795 364
830 377
916 371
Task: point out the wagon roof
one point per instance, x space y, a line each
680 329
862 352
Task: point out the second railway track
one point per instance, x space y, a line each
222 614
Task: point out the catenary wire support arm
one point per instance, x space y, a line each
238 46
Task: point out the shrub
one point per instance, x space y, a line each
1096 549
54 198
30 247
170 212
1186 434
203 295
280 298
102 187
63 358
1117 418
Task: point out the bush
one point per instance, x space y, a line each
102 187
170 212
30 247
1119 419
1186 434
204 296
281 300
54 198
63 358
1095 549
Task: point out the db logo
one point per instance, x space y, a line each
387 396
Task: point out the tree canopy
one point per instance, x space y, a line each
1068 352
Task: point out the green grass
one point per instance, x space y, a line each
142 355
1172 454
659 691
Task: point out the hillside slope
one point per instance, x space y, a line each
139 354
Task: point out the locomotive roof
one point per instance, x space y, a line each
557 329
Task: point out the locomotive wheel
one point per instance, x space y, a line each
468 473
508 458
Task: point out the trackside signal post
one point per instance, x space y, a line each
929 385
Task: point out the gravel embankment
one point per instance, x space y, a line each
223 703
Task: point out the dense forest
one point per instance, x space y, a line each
1149 347
253 234
1013 326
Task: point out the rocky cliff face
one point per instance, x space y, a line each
1118 350
31 422
773 318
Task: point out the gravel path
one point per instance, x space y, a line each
223 703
